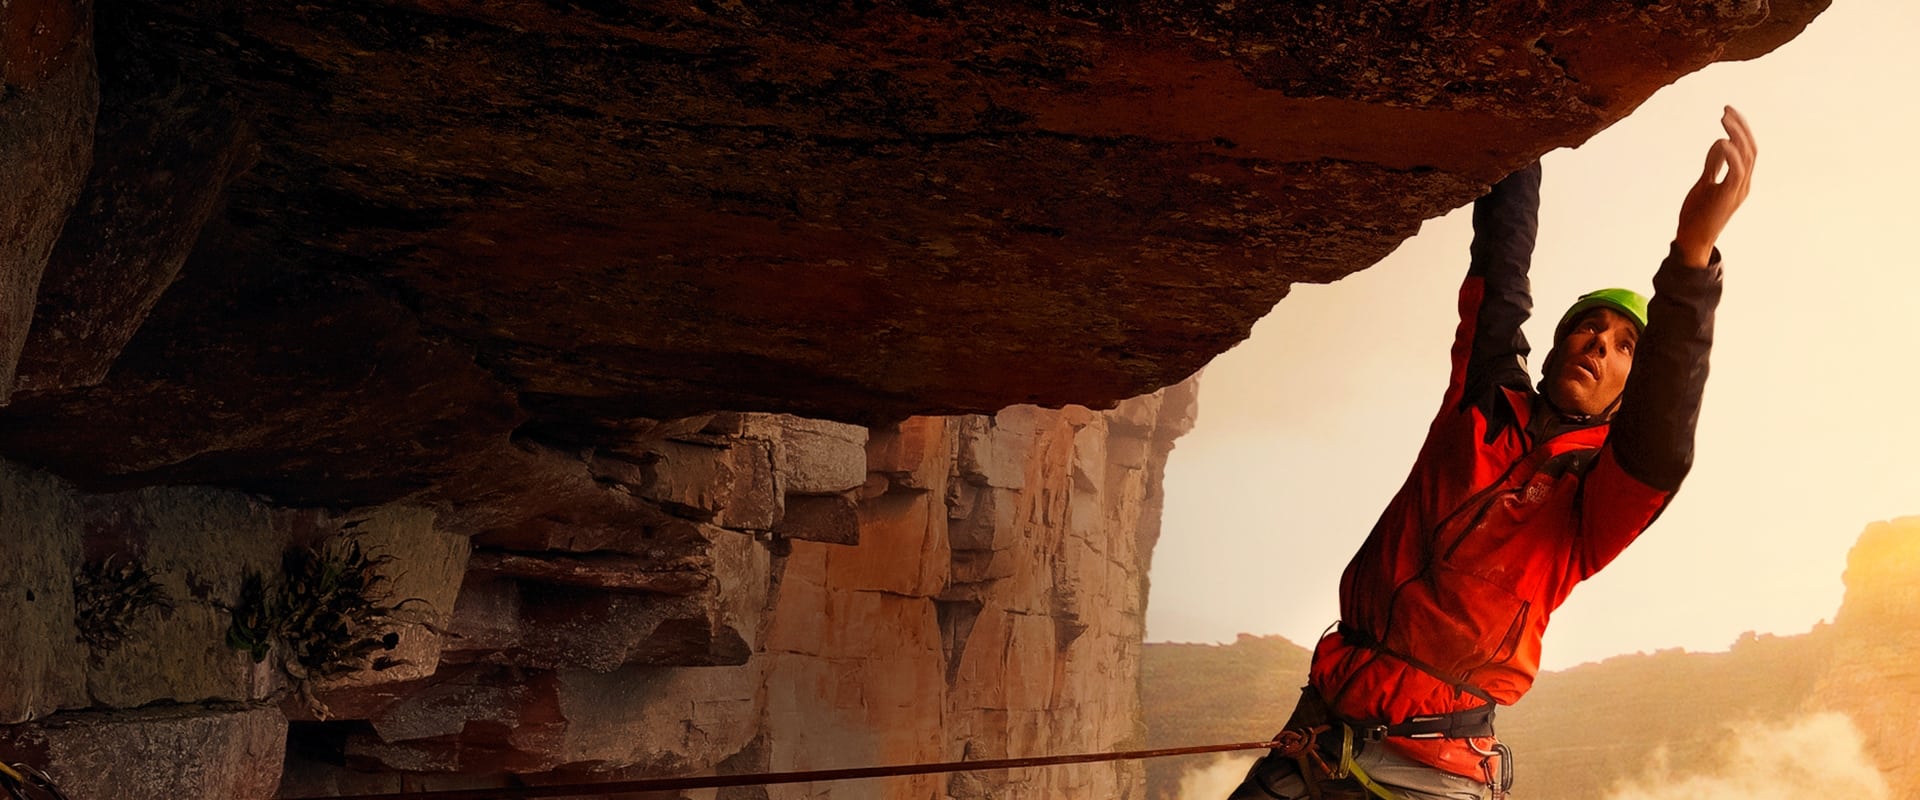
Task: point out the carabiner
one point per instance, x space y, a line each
23 782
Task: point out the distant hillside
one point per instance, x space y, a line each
1582 731
1207 694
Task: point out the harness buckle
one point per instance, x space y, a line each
1371 734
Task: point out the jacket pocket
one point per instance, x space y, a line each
1457 621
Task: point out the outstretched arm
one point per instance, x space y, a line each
1496 299
1652 437
1653 433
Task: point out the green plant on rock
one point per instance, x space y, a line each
329 613
108 598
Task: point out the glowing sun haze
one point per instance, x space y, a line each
1810 418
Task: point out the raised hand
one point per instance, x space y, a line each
1710 203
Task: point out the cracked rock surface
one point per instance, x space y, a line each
349 251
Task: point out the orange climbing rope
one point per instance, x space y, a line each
812 776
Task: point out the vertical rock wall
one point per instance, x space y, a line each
993 607
724 594
742 593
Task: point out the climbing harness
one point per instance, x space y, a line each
1352 768
1324 748
23 782
1319 770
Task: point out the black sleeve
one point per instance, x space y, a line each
1505 223
1652 433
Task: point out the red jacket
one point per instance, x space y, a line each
1509 504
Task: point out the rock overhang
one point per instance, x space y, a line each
351 251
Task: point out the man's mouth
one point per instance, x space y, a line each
1587 367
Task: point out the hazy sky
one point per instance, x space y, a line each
1811 416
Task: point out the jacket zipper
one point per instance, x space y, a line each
1486 498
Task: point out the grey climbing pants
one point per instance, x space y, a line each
1276 776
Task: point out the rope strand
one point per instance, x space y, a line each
773 778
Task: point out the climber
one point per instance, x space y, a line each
1519 493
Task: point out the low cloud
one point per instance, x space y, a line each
1817 756
1821 755
1217 779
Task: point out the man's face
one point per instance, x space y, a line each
1593 361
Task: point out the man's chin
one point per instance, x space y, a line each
1569 397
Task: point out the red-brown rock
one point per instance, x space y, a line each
489 721
48 97
165 146
604 571
830 518
701 606
42 662
232 752
469 222
527 265
731 484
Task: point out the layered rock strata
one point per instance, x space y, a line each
962 588
166 707
727 593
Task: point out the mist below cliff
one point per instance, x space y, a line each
1820 755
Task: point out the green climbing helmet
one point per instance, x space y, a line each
1625 301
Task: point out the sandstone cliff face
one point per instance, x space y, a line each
1875 674
947 588
166 708
783 594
